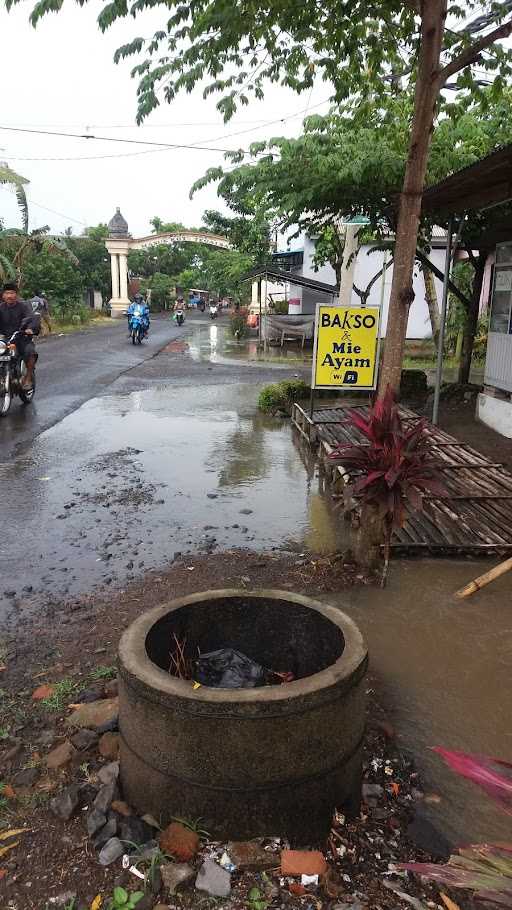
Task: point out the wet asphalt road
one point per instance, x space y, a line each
74 368
130 457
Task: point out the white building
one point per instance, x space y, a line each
300 262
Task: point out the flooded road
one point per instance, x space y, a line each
174 458
127 482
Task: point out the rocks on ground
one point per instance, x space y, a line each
213 879
95 715
174 875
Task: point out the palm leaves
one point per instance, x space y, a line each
485 869
8 177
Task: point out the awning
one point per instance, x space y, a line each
487 182
280 277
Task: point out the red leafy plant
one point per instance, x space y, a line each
485 869
389 472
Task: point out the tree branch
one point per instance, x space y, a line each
420 256
471 54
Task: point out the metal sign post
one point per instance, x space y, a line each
440 349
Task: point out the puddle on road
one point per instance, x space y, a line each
213 343
125 483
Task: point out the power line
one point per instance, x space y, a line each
165 145
155 146
38 205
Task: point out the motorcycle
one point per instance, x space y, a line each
137 324
214 311
12 373
179 317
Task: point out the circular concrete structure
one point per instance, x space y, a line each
250 762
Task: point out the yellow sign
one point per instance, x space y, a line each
346 348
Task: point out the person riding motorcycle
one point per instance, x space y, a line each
138 300
17 315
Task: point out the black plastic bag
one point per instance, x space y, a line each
228 668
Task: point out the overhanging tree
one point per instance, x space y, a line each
362 48
340 165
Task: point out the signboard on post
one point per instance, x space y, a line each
346 350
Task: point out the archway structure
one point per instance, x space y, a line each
120 242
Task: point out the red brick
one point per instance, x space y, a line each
303 862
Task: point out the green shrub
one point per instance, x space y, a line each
271 399
280 395
294 389
238 325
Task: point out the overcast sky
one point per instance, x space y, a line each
61 76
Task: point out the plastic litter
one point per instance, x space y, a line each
309 879
226 863
228 668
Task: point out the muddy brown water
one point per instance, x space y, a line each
443 669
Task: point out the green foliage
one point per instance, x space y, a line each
97 232
281 395
58 277
352 162
103 672
294 389
93 261
122 900
256 899
8 177
238 325
220 272
249 233
193 824
63 691
280 308
354 46
161 286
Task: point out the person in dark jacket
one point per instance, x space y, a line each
17 315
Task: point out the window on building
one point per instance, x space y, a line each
501 306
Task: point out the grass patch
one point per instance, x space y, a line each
63 691
66 326
103 672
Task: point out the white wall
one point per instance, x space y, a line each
496 413
366 267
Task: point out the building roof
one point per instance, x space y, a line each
485 183
280 276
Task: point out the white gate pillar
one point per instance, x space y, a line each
114 270
123 276
118 245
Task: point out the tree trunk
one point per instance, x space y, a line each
367 537
433 306
458 345
425 98
470 326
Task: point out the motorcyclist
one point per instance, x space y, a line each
17 315
138 300
179 306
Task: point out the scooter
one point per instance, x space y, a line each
137 323
214 311
179 317
12 372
